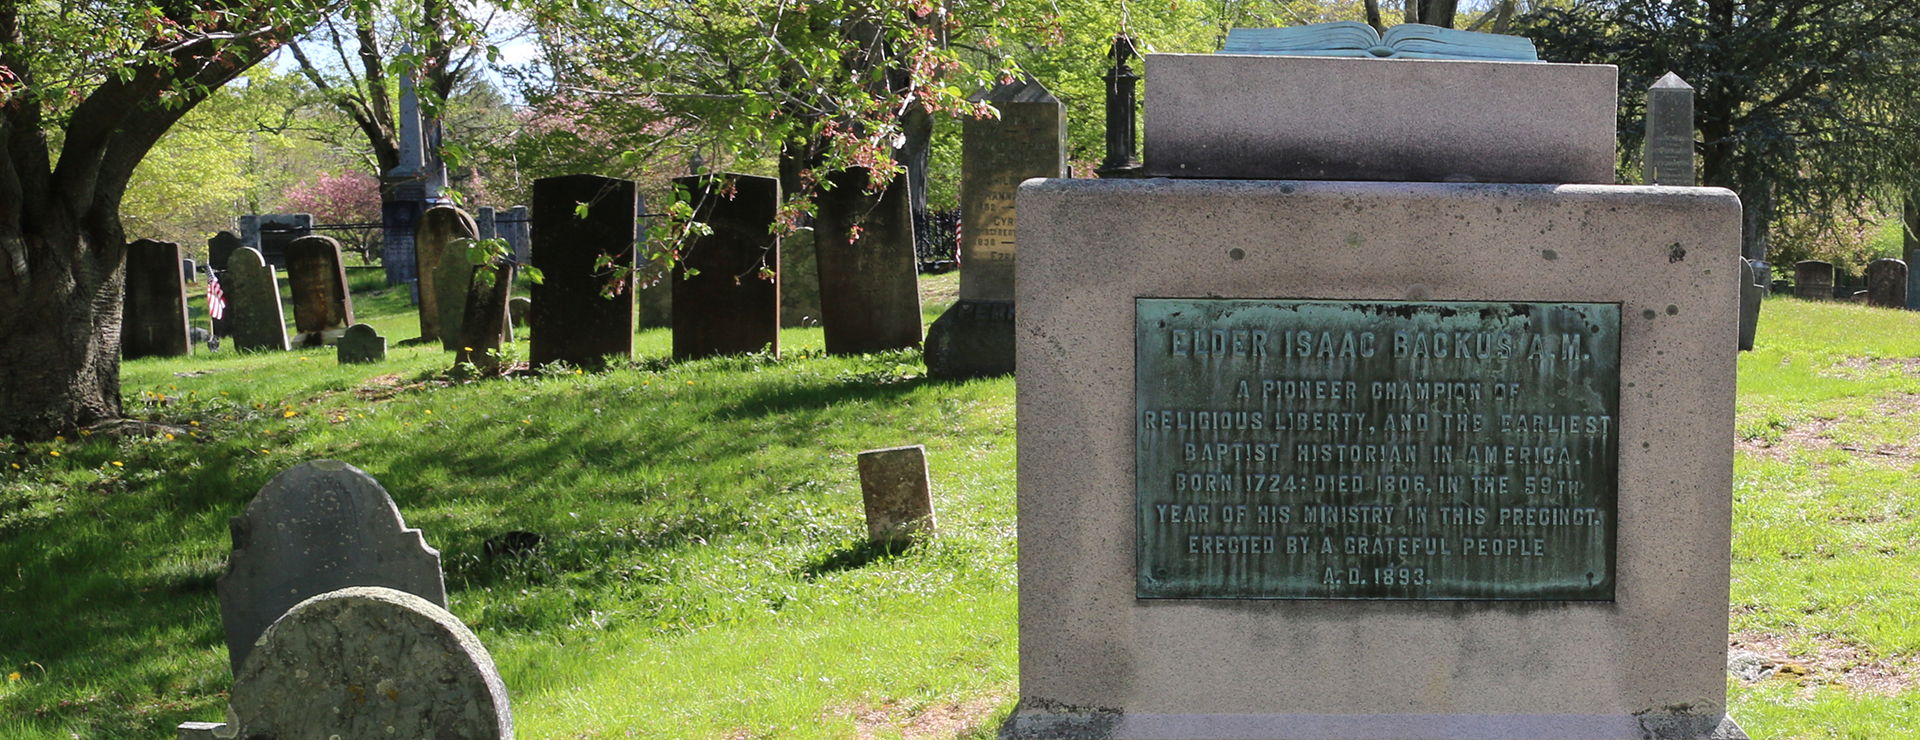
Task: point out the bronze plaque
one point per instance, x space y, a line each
1293 449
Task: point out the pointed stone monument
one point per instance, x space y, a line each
1669 145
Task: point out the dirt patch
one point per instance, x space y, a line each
1830 662
1816 433
1861 368
937 722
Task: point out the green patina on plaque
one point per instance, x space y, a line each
1292 449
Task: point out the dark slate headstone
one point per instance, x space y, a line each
154 316
254 316
974 337
799 281
1813 280
869 288
484 327
484 220
1751 295
728 308
277 231
190 271
322 306
1669 138
361 344
571 321
320 526
368 662
514 228
1887 283
220 247
517 309
438 228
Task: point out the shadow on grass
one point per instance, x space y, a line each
852 558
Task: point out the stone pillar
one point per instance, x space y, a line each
322 306
974 338
869 289
1887 283
571 321
1669 138
154 315
254 315
1813 280
728 308
1122 103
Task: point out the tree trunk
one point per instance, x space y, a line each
60 331
1438 12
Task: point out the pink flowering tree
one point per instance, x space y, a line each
345 198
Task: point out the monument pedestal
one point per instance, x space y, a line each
973 339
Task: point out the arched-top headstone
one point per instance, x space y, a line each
220 247
370 662
320 526
439 227
1887 283
255 319
322 305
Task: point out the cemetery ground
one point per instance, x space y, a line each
704 572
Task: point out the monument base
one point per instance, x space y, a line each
973 339
1075 724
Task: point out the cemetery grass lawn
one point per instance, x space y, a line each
704 574
1826 546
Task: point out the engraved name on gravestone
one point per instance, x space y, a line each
1376 450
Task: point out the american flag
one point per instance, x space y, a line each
216 298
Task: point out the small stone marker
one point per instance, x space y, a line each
898 494
154 315
517 309
799 281
190 271
319 526
570 320
728 308
255 319
438 228
1751 295
322 306
361 344
369 662
974 338
1813 280
1887 283
220 247
1669 138
869 289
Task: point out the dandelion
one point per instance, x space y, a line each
119 464
303 359
169 437
523 421
14 676
429 411
264 451
578 371
469 349
58 438
16 466
55 453
287 415
193 423
689 382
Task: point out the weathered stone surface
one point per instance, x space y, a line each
154 314
515 229
439 227
255 318
1813 280
869 289
1668 158
898 494
799 281
1887 283
1652 658
220 247
361 343
1268 117
319 526
571 321
190 271
322 306
1752 294
517 309
972 339
728 308
370 662
484 327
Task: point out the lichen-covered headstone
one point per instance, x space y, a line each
443 295
320 526
369 662
898 494
361 344
255 319
322 305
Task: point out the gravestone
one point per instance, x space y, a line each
1763 274
728 308
974 337
154 314
1887 283
1813 280
1669 138
453 281
367 662
272 233
1329 398
571 320
361 344
514 229
438 229
898 495
322 306
869 284
1752 294
484 327
190 271
799 281
517 309
317 527
254 316
220 247
485 221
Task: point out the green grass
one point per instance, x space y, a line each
705 575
